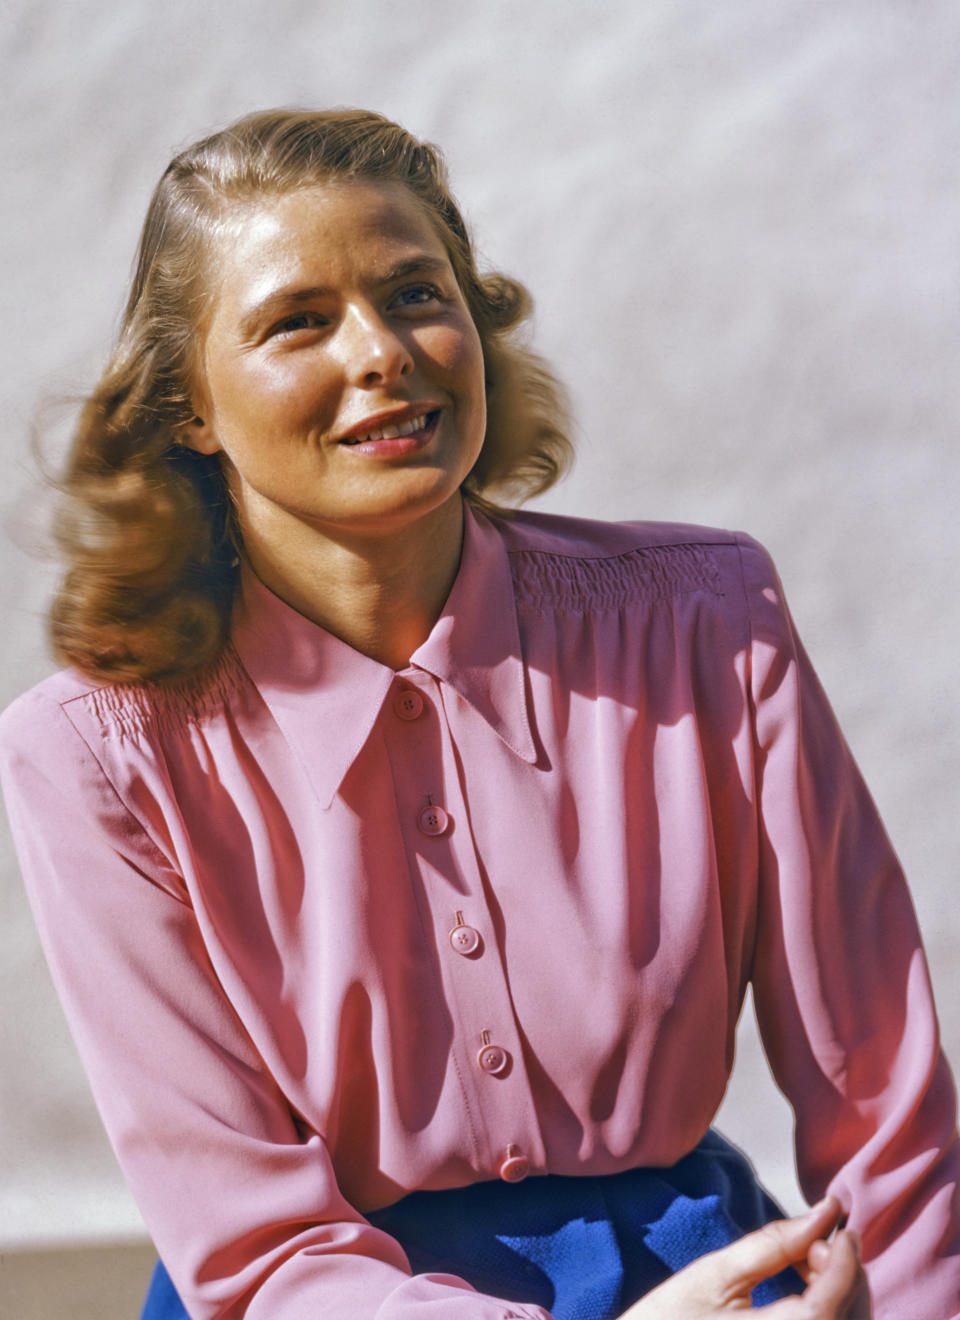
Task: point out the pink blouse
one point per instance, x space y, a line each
326 933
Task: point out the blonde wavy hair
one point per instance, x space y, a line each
147 528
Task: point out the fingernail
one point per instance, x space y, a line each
854 1237
818 1209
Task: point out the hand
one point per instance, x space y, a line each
719 1285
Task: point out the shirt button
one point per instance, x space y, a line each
432 820
493 1059
465 940
408 704
514 1166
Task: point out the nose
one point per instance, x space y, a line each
374 352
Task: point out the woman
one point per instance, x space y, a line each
389 849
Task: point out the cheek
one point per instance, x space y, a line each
458 355
281 395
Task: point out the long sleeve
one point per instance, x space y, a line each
240 1195
841 985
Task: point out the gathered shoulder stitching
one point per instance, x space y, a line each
544 580
129 709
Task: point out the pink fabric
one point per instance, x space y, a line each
649 805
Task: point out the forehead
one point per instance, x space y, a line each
341 229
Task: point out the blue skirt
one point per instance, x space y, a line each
582 1248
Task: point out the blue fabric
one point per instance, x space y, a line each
162 1301
583 1248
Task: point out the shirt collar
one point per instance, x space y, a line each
325 696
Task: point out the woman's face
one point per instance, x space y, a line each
340 374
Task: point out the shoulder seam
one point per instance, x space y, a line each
127 709
619 554
99 775
578 584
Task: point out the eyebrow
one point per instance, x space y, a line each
295 296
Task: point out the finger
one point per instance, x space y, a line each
836 1283
817 1258
778 1244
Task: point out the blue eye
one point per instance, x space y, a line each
415 295
300 321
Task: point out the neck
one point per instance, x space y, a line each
381 594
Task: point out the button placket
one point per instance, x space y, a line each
442 855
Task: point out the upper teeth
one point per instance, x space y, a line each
391 432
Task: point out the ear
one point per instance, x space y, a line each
198 435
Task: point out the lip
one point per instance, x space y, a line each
389 417
399 446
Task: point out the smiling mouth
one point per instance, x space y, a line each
410 427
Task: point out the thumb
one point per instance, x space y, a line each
778 1244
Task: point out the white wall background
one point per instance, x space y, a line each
741 223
